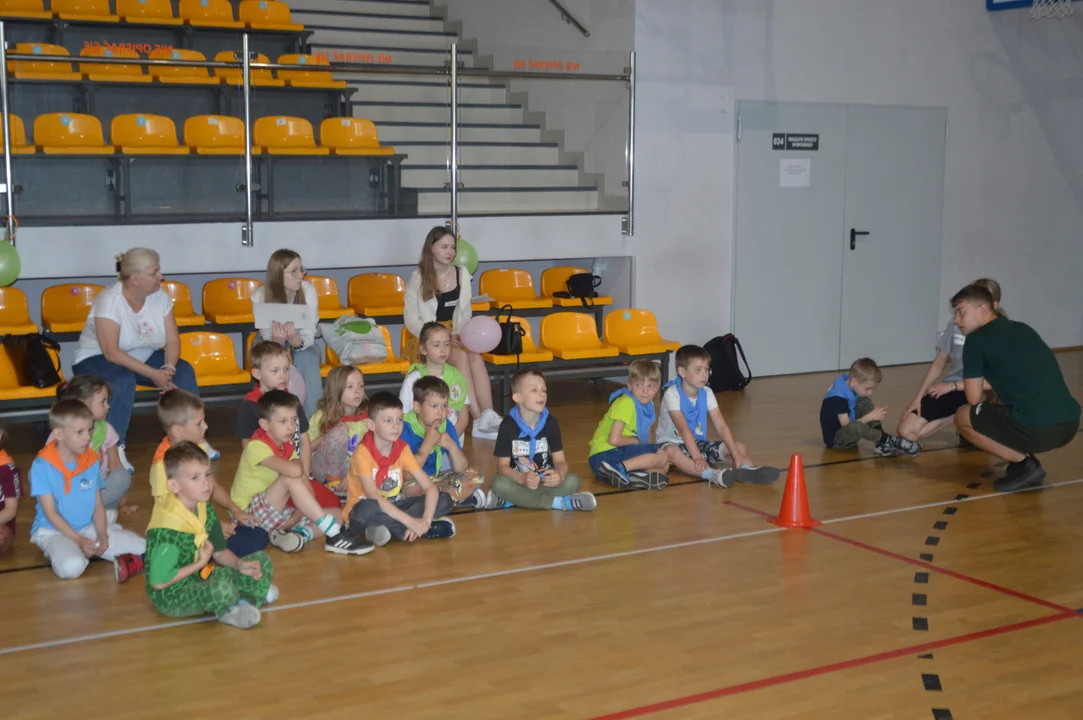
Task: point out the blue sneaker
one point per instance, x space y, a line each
578 501
615 475
495 502
211 452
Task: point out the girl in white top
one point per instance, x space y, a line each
131 338
438 291
285 284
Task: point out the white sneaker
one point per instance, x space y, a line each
110 517
124 459
272 595
211 452
481 433
490 421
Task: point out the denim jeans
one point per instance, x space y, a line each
123 382
307 362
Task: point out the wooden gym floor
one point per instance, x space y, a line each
925 594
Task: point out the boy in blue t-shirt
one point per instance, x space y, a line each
435 444
848 414
70 526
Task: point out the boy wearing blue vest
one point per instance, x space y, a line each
687 406
431 436
532 471
848 414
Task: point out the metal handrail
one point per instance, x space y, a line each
567 17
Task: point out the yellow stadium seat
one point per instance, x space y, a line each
64 308
284 135
635 332
181 74
94 10
15 313
309 76
183 312
376 294
555 280
12 389
352 136
213 358
573 336
267 15
330 306
509 286
18 136
24 9
235 76
152 12
45 69
107 72
70 134
531 353
208 13
145 134
393 364
228 301
215 135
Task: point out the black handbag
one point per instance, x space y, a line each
33 363
582 286
511 334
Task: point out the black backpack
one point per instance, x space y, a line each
33 363
582 286
725 370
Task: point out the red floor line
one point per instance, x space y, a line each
831 668
920 563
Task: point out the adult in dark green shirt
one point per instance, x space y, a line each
1035 412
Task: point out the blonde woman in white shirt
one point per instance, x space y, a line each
131 338
285 284
439 291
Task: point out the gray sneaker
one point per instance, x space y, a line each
378 535
642 480
615 475
723 478
907 447
495 502
242 615
579 501
757 475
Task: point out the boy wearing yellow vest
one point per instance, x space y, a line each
190 569
70 526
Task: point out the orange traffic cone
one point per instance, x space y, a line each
794 512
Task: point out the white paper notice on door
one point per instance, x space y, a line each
795 173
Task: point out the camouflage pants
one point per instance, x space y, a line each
848 437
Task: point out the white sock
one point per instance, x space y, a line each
328 526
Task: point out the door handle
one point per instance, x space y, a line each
853 237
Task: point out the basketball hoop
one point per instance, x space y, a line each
1058 9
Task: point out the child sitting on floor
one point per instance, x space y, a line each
93 391
271 483
434 347
433 439
11 490
183 419
687 405
70 526
848 415
531 469
376 504
621 451
337 426
184 535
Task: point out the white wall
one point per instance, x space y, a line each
592 115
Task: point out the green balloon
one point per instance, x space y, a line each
10 265
466 256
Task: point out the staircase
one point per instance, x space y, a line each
508 162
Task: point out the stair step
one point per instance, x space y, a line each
479 154
435 176
325 34
498 200
345 19
424 92
394 133
380 112
371 7
409 57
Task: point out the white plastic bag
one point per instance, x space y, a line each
355 340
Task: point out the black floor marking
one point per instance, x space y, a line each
988 474
920 599
931 682
926 656
960 496
950 510
940 525
23 569
921 578
942 714
920 623
932 540
974 485
927 557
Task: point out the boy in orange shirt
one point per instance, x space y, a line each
375 503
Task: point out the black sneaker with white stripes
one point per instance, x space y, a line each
346 543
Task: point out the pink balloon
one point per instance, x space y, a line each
296 384
480 334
